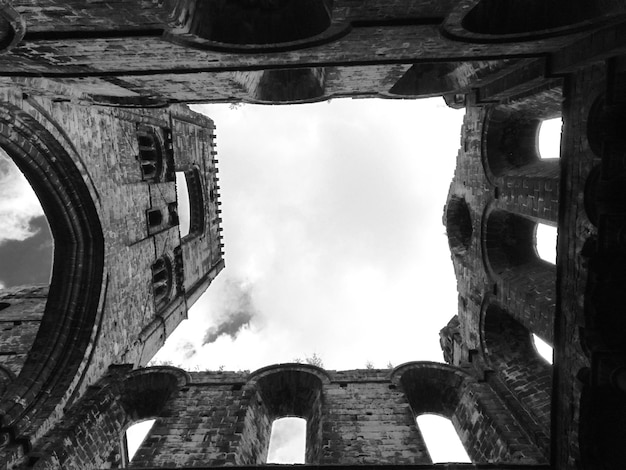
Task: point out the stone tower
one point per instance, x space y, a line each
90 111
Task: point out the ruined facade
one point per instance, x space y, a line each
90 111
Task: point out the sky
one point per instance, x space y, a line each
334 242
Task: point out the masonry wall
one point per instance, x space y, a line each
142 294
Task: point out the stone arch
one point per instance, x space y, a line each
524 183
510 20
162 280
94 426
471 406
72 309
458 225
509 141
524 283
509 242
283 86
12 27
196 203
260 22
523 378
288 390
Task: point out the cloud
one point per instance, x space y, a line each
235 311
28 261
18 203
187 350
2 286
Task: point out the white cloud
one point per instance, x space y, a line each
18 203
333 213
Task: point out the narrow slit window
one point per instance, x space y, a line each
545 242
287 441
549 140
543 348
182 196
135 435
442 441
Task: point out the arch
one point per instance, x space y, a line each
260 22
12 27
510 20
287 444
510 137
289 390
145 391
549 138
195 201
525 376
99 420
254 26
473 408
458 225
153 157
509 141
526 284
71 310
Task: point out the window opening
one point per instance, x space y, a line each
442 441
135 435
155 218
150 153
549 139
161 281
182 196
543 348
545 242
287 441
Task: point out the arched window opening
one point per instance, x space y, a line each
545 242
182 196
549 139
287 441
189 194
510 141
161 281
150 153
543 348
245 22
155 218
134 436
525 376
458 225
442 441
509 241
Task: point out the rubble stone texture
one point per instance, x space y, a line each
91 110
